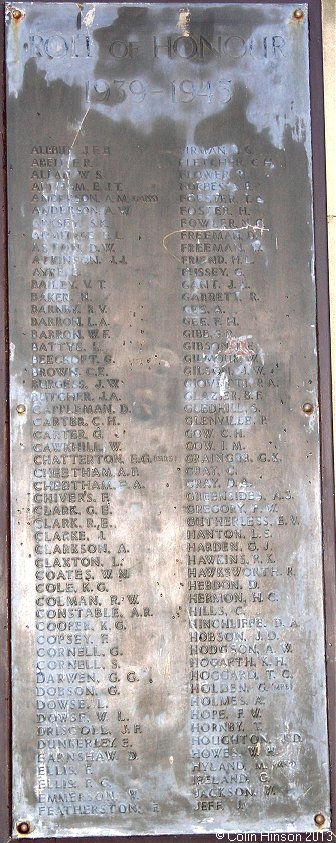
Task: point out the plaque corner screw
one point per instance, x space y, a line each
319 819
23 827
21 409
298 14
308 408
17 14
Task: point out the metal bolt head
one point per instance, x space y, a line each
298 14
16 14
308 408
319 819
23 827
21 409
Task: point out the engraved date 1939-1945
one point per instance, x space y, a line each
179 91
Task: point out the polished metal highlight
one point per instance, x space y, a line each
168 630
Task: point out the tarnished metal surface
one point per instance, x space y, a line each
329 65
168 655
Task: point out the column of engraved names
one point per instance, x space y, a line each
79 423
237 652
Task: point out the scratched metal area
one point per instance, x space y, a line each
168 633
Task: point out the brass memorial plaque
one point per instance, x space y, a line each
168 632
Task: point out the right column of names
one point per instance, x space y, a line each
237 507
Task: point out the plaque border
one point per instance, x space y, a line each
5 655
326 451
329 65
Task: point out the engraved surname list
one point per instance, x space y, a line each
168 660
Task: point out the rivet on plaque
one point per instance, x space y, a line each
23 827
21 409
